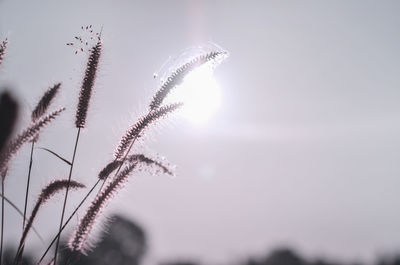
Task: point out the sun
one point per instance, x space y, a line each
200 94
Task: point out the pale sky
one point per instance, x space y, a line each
304 150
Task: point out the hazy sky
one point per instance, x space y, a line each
304 149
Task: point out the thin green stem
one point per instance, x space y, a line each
66 195
27 184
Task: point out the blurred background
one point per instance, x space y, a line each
302 152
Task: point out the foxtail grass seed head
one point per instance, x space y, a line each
3 47
79 239
136 130
45 102
157 164
109 168
179 74
28 134
47 192
87 85
57 185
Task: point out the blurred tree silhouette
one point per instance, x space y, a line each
389 261
284 257
9 255
123 244
179 263
281 256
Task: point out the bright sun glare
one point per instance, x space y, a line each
200 94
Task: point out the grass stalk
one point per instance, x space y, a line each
2 220
66 195
28 183
27 190
68 220
79 238
57 237
50 190
22 215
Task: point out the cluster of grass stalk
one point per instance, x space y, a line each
111 179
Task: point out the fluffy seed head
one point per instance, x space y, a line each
157 164
87 85
45 102
56 186
3 47
28 134
47 192
179 74
79 239
136 130
107 170
152 163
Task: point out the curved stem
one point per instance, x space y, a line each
57 237
22 215
27 185
68 220
66 195
119 168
